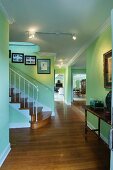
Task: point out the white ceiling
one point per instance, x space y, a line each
82 17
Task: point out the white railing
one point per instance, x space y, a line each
26 89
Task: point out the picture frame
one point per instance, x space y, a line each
9 53
43 66
107 69
30 60
17 58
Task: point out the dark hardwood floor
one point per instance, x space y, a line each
59 146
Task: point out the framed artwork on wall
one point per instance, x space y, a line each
30 60
17 58
43 66
107 69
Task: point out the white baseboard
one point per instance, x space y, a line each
19 125
67 103
101 135
4 154
53 114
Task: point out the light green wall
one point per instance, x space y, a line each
45 81
60 71
4 85
78 71
94 73
16 116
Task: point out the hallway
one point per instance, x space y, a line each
60 146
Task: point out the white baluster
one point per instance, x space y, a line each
10 81
33 100
36 104
28 94
15 85
24 93
19 87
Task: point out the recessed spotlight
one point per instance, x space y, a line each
74 37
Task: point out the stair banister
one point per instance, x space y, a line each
26 82
24 78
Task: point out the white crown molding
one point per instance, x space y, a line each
100 30
9 18
47 54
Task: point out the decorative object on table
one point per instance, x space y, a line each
107 69
17 57
44 66
108 101
9 53
96 104
30 60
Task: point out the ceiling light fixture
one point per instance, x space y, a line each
74 37
35 34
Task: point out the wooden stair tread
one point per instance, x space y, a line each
45 115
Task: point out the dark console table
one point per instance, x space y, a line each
101 114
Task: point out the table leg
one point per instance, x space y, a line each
99 127
85 124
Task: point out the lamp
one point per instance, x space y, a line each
34 34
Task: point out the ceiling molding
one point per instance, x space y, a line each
104 27
4 11
47 54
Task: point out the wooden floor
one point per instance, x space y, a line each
59 146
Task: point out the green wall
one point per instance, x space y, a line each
95 79
45 82
16 117
4 87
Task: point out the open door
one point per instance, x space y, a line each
111 131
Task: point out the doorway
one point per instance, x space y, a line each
59 87
79 87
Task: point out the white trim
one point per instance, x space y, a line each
67 103
53 113
4 154
3 9
47 54
19 125
100 30
101 135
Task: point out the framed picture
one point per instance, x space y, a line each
30 60
9 53
17 57
108 69
44 66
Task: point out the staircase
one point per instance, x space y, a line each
24 92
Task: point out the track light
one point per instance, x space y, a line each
35 34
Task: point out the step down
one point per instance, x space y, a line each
42 121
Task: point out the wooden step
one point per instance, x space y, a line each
43 121
11 92
15 98
33 110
